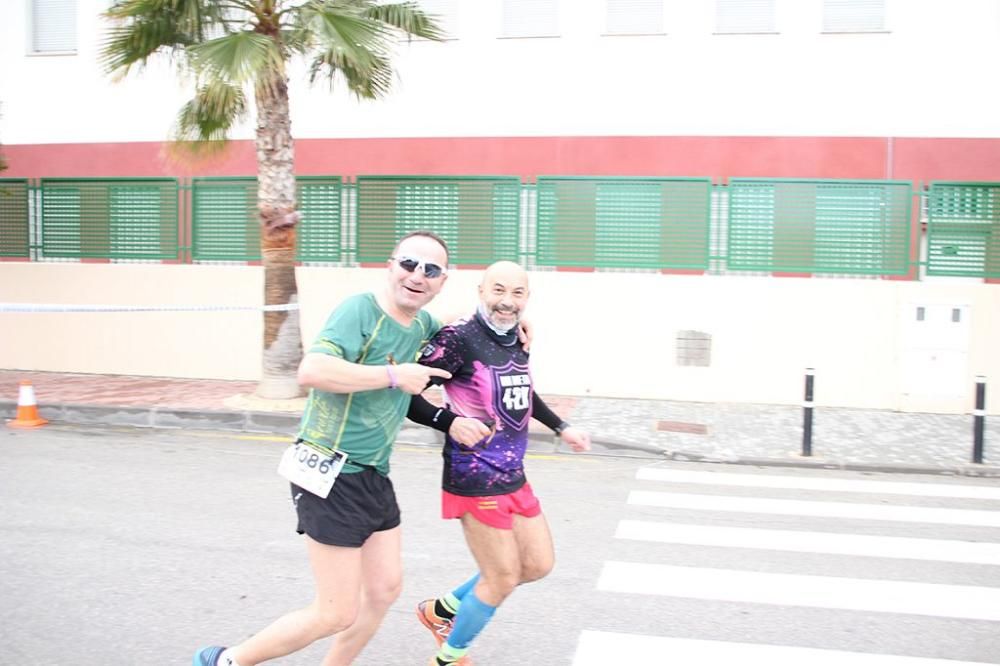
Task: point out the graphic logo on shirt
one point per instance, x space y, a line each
428 349
512 394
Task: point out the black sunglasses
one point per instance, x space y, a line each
409 264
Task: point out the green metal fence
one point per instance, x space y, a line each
15 223
848 227
320 236
116 218
225 225
845 227
478 216
623 222
963 229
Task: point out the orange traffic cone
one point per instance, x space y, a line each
27 408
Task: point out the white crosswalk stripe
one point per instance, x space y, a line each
939 550
600 648
885 596
819 483
911 514
807 515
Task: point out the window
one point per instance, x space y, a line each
529 18
53 26
428 206
628 218
635 17
135 222
735 17
61 222
853 15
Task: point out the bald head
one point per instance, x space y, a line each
505 272
504 294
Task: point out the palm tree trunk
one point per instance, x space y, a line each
276 205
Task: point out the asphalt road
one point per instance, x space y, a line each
127 546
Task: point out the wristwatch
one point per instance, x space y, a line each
558 430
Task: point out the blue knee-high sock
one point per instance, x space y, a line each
472 616
465 587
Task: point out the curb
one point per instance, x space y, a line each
417 435
970 470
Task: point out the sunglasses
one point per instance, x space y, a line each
409 264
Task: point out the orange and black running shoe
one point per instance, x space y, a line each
439 626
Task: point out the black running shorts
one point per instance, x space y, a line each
359 504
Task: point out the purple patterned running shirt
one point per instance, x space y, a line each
491 382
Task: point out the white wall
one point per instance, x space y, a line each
601 334
930 74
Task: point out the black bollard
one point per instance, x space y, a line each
979 420
807 415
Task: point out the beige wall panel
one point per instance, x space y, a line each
598 334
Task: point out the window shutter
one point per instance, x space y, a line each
529 18
744 16
853 15
635 17
53 24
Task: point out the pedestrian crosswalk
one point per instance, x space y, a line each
721 539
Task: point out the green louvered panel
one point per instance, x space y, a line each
109 218
319 231
623 222
963 229
224 222
819 226
14 237
478 216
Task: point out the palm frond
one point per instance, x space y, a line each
343 38
407 17
369 82
141 28
239 57
216 107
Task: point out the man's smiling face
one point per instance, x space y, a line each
413 290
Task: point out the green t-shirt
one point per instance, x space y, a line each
363 424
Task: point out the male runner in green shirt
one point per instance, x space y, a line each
361 372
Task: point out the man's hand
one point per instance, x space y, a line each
578 440
525 333
468 431
414 378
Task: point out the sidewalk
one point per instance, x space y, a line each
669 430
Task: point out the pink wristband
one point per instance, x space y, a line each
392 376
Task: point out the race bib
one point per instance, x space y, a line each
311 467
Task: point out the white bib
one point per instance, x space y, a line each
311 467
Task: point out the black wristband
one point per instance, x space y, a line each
423 412
442 419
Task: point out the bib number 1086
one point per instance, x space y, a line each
311 468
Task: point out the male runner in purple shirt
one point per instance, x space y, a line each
488 403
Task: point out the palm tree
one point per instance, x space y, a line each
233 47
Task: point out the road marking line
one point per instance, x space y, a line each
816 483
909 514
597 648
936 550
883 596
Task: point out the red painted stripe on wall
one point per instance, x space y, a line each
527 157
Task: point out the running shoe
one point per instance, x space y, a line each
439 626
207 656
464 661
